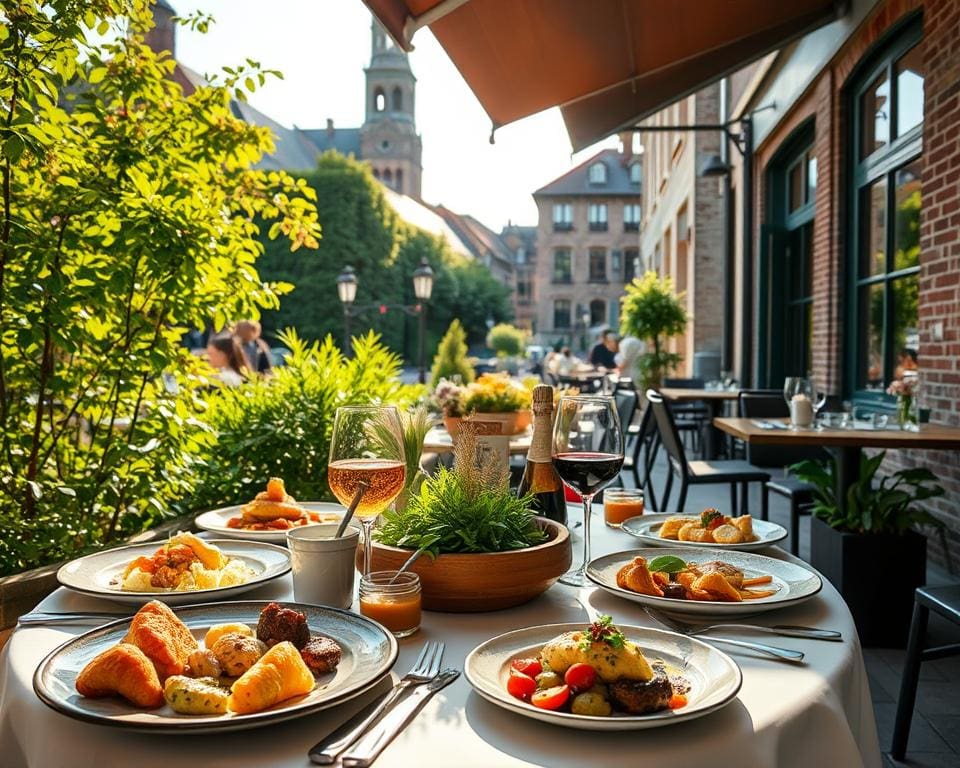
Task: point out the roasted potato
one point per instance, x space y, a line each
693 532
727 534
219 630
237 653
590 704
203 664
548 679
744 524
195 696
670 527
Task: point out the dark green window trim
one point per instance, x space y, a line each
881 164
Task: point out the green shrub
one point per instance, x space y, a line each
281 426
451 360
506 340
653 311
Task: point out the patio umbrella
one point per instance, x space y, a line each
606 63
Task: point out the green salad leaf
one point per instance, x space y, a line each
666 564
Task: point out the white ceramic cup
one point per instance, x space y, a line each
323 567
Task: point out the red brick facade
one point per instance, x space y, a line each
824 102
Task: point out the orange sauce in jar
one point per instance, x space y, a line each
621 505
396 614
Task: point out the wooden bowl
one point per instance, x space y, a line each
483 582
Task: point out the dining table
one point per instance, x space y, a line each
438 441
845 443
785 715
715 399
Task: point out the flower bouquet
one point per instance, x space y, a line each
905 390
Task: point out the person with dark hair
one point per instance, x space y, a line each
603 354
224 354
255 348
906 363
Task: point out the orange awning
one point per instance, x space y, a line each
606 63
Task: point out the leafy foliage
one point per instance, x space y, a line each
128 214
282 426
887 507
496 393
451 360
506 340
446 517
653 311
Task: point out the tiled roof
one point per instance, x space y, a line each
576 182
293 151
345 140
480 239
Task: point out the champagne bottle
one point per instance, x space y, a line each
539 477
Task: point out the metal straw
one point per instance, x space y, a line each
361 487
410 561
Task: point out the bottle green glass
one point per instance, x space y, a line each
540 479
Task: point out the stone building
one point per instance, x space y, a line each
521 241
587 246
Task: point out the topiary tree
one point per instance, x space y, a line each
451 359
653 311
506 340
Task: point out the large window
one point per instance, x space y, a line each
561 313
598 173
597 217
885 258
631 263
631 217
598 265
562 216
562 265
598 312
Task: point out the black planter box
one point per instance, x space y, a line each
876 575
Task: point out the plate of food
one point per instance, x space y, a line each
703 582
215 667
184 569
268 516
603 677
709 530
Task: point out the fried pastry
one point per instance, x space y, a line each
636 577
718 587
280 674
695 532
670 527
162 637
124 670
727 534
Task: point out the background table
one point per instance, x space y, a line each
845 444
438 440
714 399
785 716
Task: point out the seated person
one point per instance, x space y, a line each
603 354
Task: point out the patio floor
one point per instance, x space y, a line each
935 731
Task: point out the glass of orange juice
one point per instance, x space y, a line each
392 599
621 504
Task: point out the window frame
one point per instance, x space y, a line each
631 222
555 279
881 164
598 217
597 174
569 324
565 221
596 251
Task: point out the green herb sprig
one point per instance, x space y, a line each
666 564
602 631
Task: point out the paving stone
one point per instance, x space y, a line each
948 727
923 738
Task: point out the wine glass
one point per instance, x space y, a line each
792 385
588 455
819 400
367 460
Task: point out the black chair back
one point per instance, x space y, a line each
684 383
668 432
770 404
626 401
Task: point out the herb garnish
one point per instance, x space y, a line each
602 631
666 564
710 518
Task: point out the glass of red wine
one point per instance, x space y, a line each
588 456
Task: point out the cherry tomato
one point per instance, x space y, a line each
530 667
551 698
677 700
521 686
580 677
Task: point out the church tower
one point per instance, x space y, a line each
388 136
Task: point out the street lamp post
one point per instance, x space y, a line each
422 289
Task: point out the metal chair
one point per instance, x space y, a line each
946 602
691 417
731 471
769 404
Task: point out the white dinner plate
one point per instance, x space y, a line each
368 653
713 676
215 521
646 527
100 573
793 583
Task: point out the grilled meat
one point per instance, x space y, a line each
322 655
278 624
637 697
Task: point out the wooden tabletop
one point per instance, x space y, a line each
930 436
680 394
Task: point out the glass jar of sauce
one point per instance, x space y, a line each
393 600
621 504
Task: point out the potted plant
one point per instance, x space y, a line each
653 311
496 397
447 398
867 547
487 549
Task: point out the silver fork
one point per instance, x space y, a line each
424 670
771 650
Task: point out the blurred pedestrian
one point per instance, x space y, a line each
255 348
603 352
225 355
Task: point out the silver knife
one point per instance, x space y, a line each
369 747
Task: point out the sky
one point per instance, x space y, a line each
322 46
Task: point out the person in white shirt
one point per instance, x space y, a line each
566 362
224 354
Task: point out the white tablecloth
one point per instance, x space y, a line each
819 714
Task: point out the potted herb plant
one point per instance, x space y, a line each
496 397
487 549
867 547
447 398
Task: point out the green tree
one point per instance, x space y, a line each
451 359
506 340
653 311
128 214
480 297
